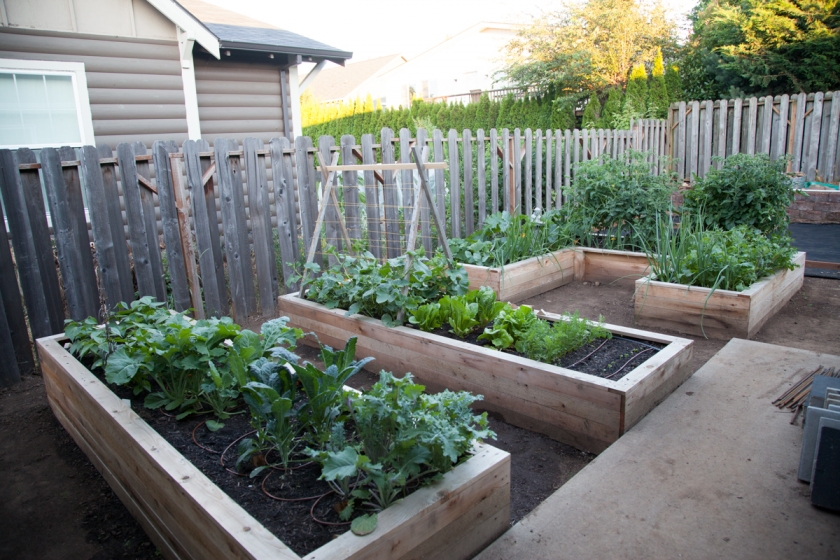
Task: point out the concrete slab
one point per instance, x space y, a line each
710 473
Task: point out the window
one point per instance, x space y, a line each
44 104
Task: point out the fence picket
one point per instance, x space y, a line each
548 167
494 171
148 204
13 312
780 129
406 180
440 188
834 128
766 125
284 201
507 169
814 137
528 187
115 222
374 225
169 222
332 235
707 137
350 180
9 373
390 198
140 247
425 229
516 158
482 181
538 169
67 213
261 230
679 141
469 203
307 193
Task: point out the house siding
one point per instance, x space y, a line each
134 85
238 100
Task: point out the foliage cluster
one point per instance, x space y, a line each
374 447
519 327
613 203
750 190
361 284
506 239
716 258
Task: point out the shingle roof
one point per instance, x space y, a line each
338 83
236 31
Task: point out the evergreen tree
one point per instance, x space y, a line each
443 119
673 83
493 115
612 108
635 100
592 112
482 114
563 113
470 117
503 119
658 94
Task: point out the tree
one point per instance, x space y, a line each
482 113
563 112
503 119
673 83
635 99
592 112
658 93
588 46
612 108
762 47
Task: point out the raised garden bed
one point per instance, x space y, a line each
725 314
579 409
187 516
524 279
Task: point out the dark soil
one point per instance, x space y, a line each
55 505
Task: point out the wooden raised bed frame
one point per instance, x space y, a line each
725 314
187 516
579 409
521 280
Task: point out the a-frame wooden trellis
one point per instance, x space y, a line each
330 172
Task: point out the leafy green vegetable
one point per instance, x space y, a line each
427 317
509 326
459 314
549 341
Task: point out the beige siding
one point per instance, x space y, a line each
121 18
134 85
238 100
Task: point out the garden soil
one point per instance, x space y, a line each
55 505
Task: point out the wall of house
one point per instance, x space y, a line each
238 99
135 86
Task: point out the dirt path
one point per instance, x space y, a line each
54 504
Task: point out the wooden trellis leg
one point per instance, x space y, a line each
313 244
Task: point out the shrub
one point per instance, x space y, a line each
747 190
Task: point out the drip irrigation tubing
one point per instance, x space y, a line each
316 520
613 374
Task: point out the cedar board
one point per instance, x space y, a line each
187 516
724 314
579 409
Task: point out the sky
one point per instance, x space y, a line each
377 28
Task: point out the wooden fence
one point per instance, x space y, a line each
803 127
221 229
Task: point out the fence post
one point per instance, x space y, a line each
390 198
284 200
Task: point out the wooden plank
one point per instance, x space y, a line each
374 225
100 219
67 212
425 225
692 166
507 172
766 125
149 217
528 187
482 177
559 169
440 226
516 158
707 138
18 193
182 196
332 234
780 129
454 185
139 239
380 166
814 138
680 141
752 125
234 252
721 131
407 181
284 200
307 193
235 166
494 171
206 223
586 151
469 199
521 280
576 159
169 221
13 312
440 187
799 133
828 173
116 221
538 169
567 166
350 180
9 373
548 169
261 230
390 199
737 116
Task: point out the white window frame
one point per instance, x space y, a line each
76 71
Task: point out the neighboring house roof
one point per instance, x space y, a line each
341 83
236 31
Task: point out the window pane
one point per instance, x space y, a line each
38 109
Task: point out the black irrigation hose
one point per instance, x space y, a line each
278 498
585 357
195 441
627 362
637 342
222 457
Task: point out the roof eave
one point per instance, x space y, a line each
339 57
196 30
